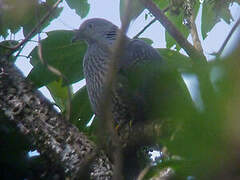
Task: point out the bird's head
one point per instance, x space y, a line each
96 30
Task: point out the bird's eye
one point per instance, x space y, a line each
90 26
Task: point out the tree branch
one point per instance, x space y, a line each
193 53
53 136
228 37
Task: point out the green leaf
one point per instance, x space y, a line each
59 93
208 18
178 22
59 52
12 18
23 13
201 140
31 21
81 7
161 4
81 109
176 60
196 8
212 12
135 9
159 86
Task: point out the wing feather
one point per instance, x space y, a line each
138 52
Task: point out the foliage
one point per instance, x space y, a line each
213 12
135 9
23 13
204 140
81 7
68 61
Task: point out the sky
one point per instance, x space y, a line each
109 9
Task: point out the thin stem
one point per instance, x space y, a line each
228 37
149 24
194 34
145 27
23 56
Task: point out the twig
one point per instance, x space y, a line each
228 37
20 50
36 28
58 73
145 27
194 34
149 24
20 55
174 32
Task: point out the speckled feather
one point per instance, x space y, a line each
96 63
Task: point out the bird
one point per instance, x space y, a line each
145 86
128 100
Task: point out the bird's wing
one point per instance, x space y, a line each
137 51
149 80
135 54
132 85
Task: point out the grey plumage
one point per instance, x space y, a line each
100 36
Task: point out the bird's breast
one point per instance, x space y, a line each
95 66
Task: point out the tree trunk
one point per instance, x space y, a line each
54 137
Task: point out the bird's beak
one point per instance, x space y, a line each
75 37
78 35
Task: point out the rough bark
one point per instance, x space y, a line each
53 136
